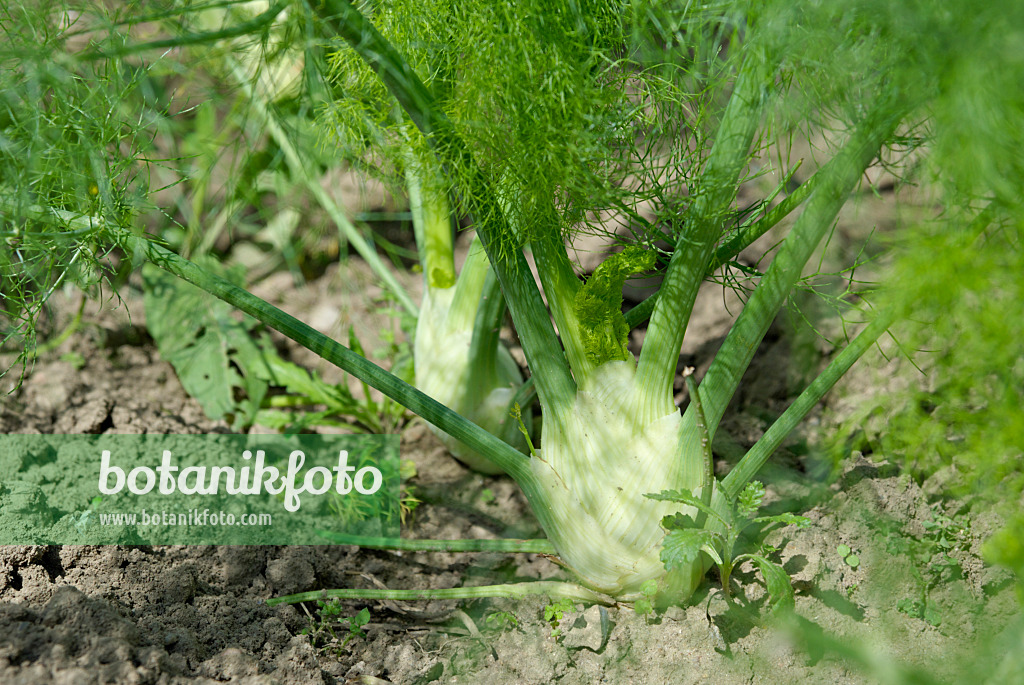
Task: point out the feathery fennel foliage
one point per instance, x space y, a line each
956 291
74 138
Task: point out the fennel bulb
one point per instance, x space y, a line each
446 371
595 465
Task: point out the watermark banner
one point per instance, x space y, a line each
196 489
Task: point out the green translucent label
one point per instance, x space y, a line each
196 489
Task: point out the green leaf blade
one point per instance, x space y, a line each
212 351
683 496
780 589
749 499
682 547
786 519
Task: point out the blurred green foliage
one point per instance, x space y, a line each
955 280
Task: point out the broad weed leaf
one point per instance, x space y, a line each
780 589
682 547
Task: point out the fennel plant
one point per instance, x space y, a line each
536 121
611 431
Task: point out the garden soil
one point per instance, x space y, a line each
871 569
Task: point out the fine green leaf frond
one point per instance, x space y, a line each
252 25
958 295
550 100
599 305
961 312
749 499
73 141
786 518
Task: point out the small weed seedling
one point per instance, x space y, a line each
321 630
934 562
943 536
409 498
645 605
686 538
501 620
920 608
555 611
849 558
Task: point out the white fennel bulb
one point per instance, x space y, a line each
596 464
446 372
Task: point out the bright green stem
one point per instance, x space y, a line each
299 169
431 220
521 401
470 288
708 482
703 227
505 545
754 459
743 239
505 456
555 385
738 349
725 573
560 286
550 588
748 233
483 347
